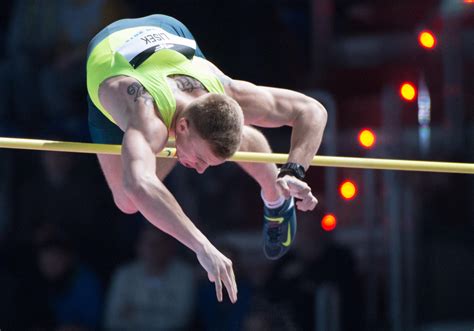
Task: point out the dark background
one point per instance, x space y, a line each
401 256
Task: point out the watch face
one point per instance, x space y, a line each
300 172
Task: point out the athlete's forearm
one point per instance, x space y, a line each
161 209
307 134
275 107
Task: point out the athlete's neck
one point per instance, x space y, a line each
182 101
185 90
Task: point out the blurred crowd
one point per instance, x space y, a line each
69 260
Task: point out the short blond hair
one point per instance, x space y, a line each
219 120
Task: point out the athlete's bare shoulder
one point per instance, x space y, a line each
122 86
186 84
119 94
225 80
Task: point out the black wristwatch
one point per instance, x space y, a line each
292 169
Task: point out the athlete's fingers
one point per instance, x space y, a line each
285 190
230 270
229 285
308 203
300 194
232 276
211 278
297 185
218 284
314 202
301 190
298 188
302 206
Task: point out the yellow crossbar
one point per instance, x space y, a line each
327 161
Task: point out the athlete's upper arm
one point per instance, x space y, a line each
125 98
143 139
258 103
145 134
270 107
138 158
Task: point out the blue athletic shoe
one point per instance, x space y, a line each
279 229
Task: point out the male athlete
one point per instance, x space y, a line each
147 82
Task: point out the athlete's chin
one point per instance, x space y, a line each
181 161
185 164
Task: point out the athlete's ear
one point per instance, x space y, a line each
183 125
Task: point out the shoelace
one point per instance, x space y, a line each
274 233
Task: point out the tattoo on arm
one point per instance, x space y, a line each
188 84
137 91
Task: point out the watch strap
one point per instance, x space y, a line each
292 169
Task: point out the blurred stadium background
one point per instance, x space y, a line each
383 251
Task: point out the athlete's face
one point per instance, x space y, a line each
193 151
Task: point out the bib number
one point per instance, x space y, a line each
149 40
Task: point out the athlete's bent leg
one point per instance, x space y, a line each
112 168
264 173
279 221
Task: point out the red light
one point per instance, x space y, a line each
427 39
408 91
468 1
328 223
348 190
366 138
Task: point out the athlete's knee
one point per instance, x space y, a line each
253 140
252 134
125 204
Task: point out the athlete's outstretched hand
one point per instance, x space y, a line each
292 186
219 271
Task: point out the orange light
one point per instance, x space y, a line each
366 138
427 39
348 190
328 223
468 1
407 91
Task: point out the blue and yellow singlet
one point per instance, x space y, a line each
149 54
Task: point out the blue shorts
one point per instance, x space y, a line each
101 129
